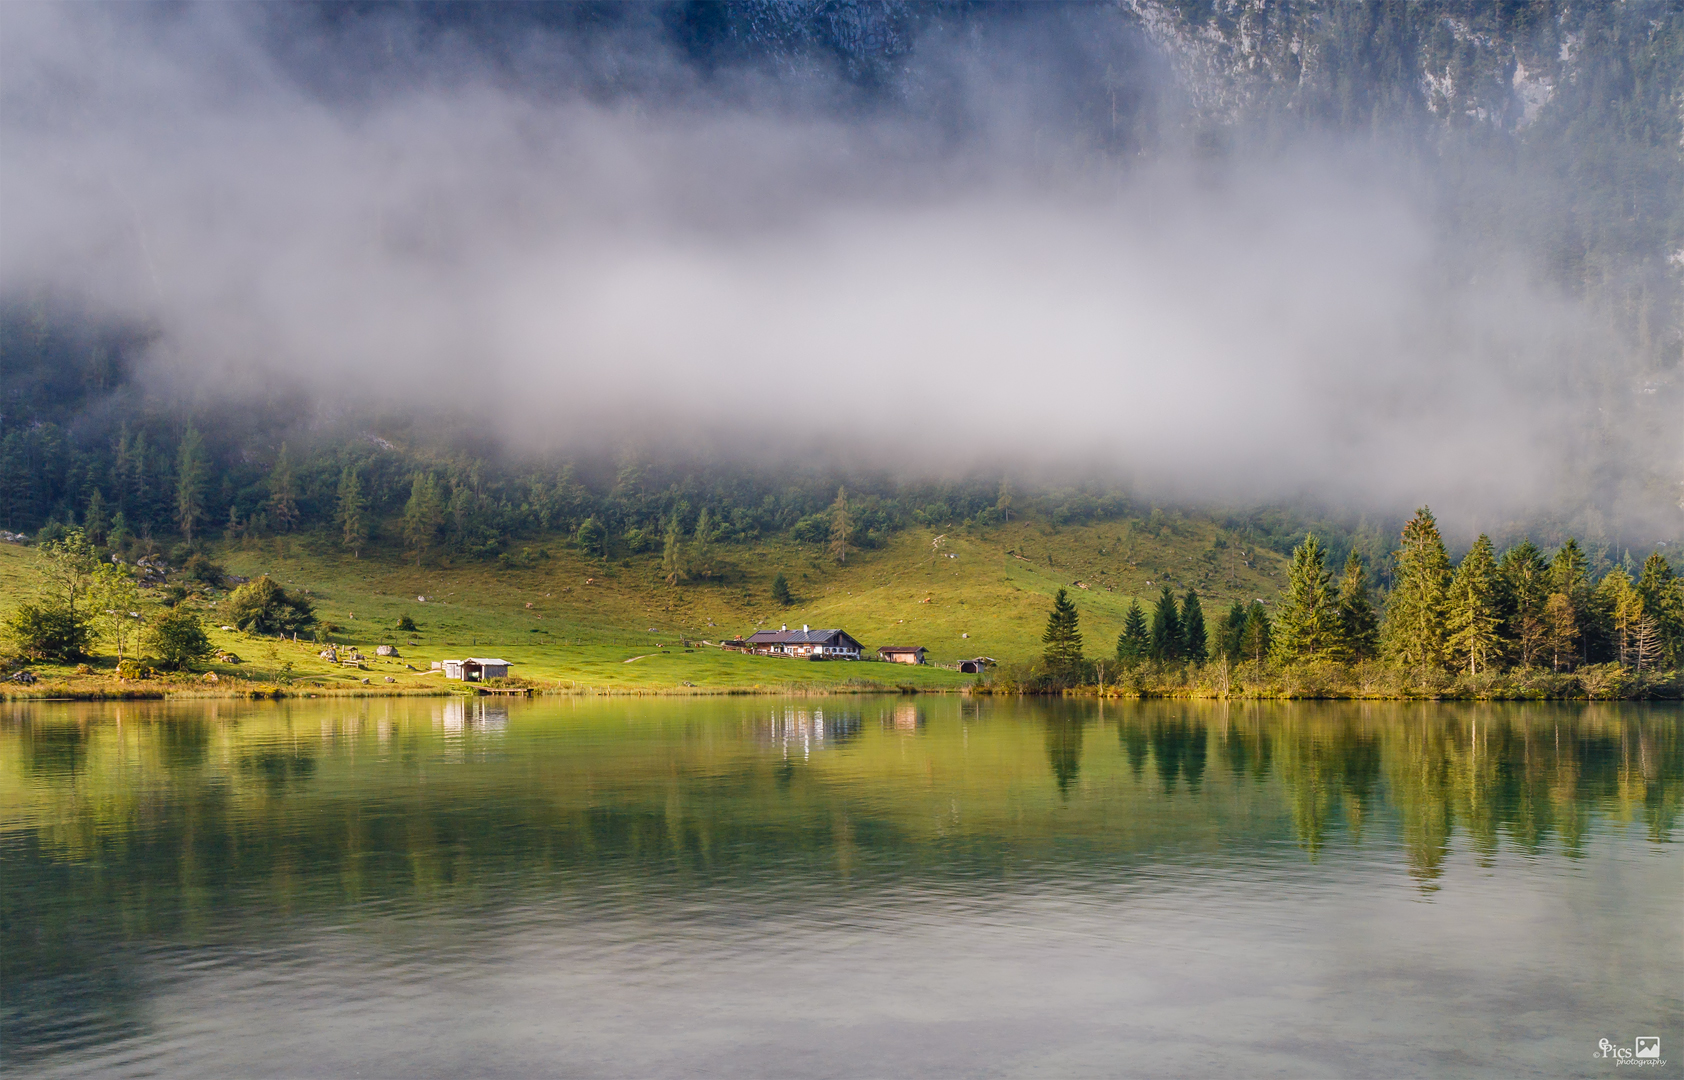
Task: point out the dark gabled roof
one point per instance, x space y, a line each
796 637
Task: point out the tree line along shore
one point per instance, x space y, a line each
1518 625
1522 624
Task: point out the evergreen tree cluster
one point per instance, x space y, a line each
1486 613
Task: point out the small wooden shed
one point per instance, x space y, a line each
476 669
902 654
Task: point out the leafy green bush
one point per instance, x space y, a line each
178 639
263 607
48 632
200 569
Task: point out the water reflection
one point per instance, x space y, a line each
1064 750
127 828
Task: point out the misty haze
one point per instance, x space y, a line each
1111 472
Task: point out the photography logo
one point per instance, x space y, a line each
1645 1050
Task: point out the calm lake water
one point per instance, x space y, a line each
838 887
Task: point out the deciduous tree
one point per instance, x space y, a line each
177 638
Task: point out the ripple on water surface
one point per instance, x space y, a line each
836 886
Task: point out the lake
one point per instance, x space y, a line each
904 886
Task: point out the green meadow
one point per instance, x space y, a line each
570 622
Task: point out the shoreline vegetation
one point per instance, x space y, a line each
1404 625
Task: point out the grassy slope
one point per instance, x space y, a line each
588 618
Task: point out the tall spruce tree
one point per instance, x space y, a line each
701 547
1167 638
672 554
1194 645
1570 579
1231 633
94 522
190 473
423 514
1474 619
1523 595
841 527
1663 599
780 590
1415 612
351 511
1561 631
1258 637
283 492
1307 627
1618 596
1359 623
1135 640
1063 639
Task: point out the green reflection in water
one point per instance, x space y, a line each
200 823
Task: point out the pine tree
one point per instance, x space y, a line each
1524 590
1231 633
1561 631
701 546
672 555
1063 639
422 515
1474 619
1307 627
1135 641
1003 503
1570 577
1194 645
1358 621
190 482
351 511
1620 598
1663 599
94 523
1415 611
841 527
780 590
1259 634
283 493
1167 637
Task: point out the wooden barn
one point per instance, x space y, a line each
902 654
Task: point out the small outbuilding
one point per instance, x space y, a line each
476 669
902 654
976 665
